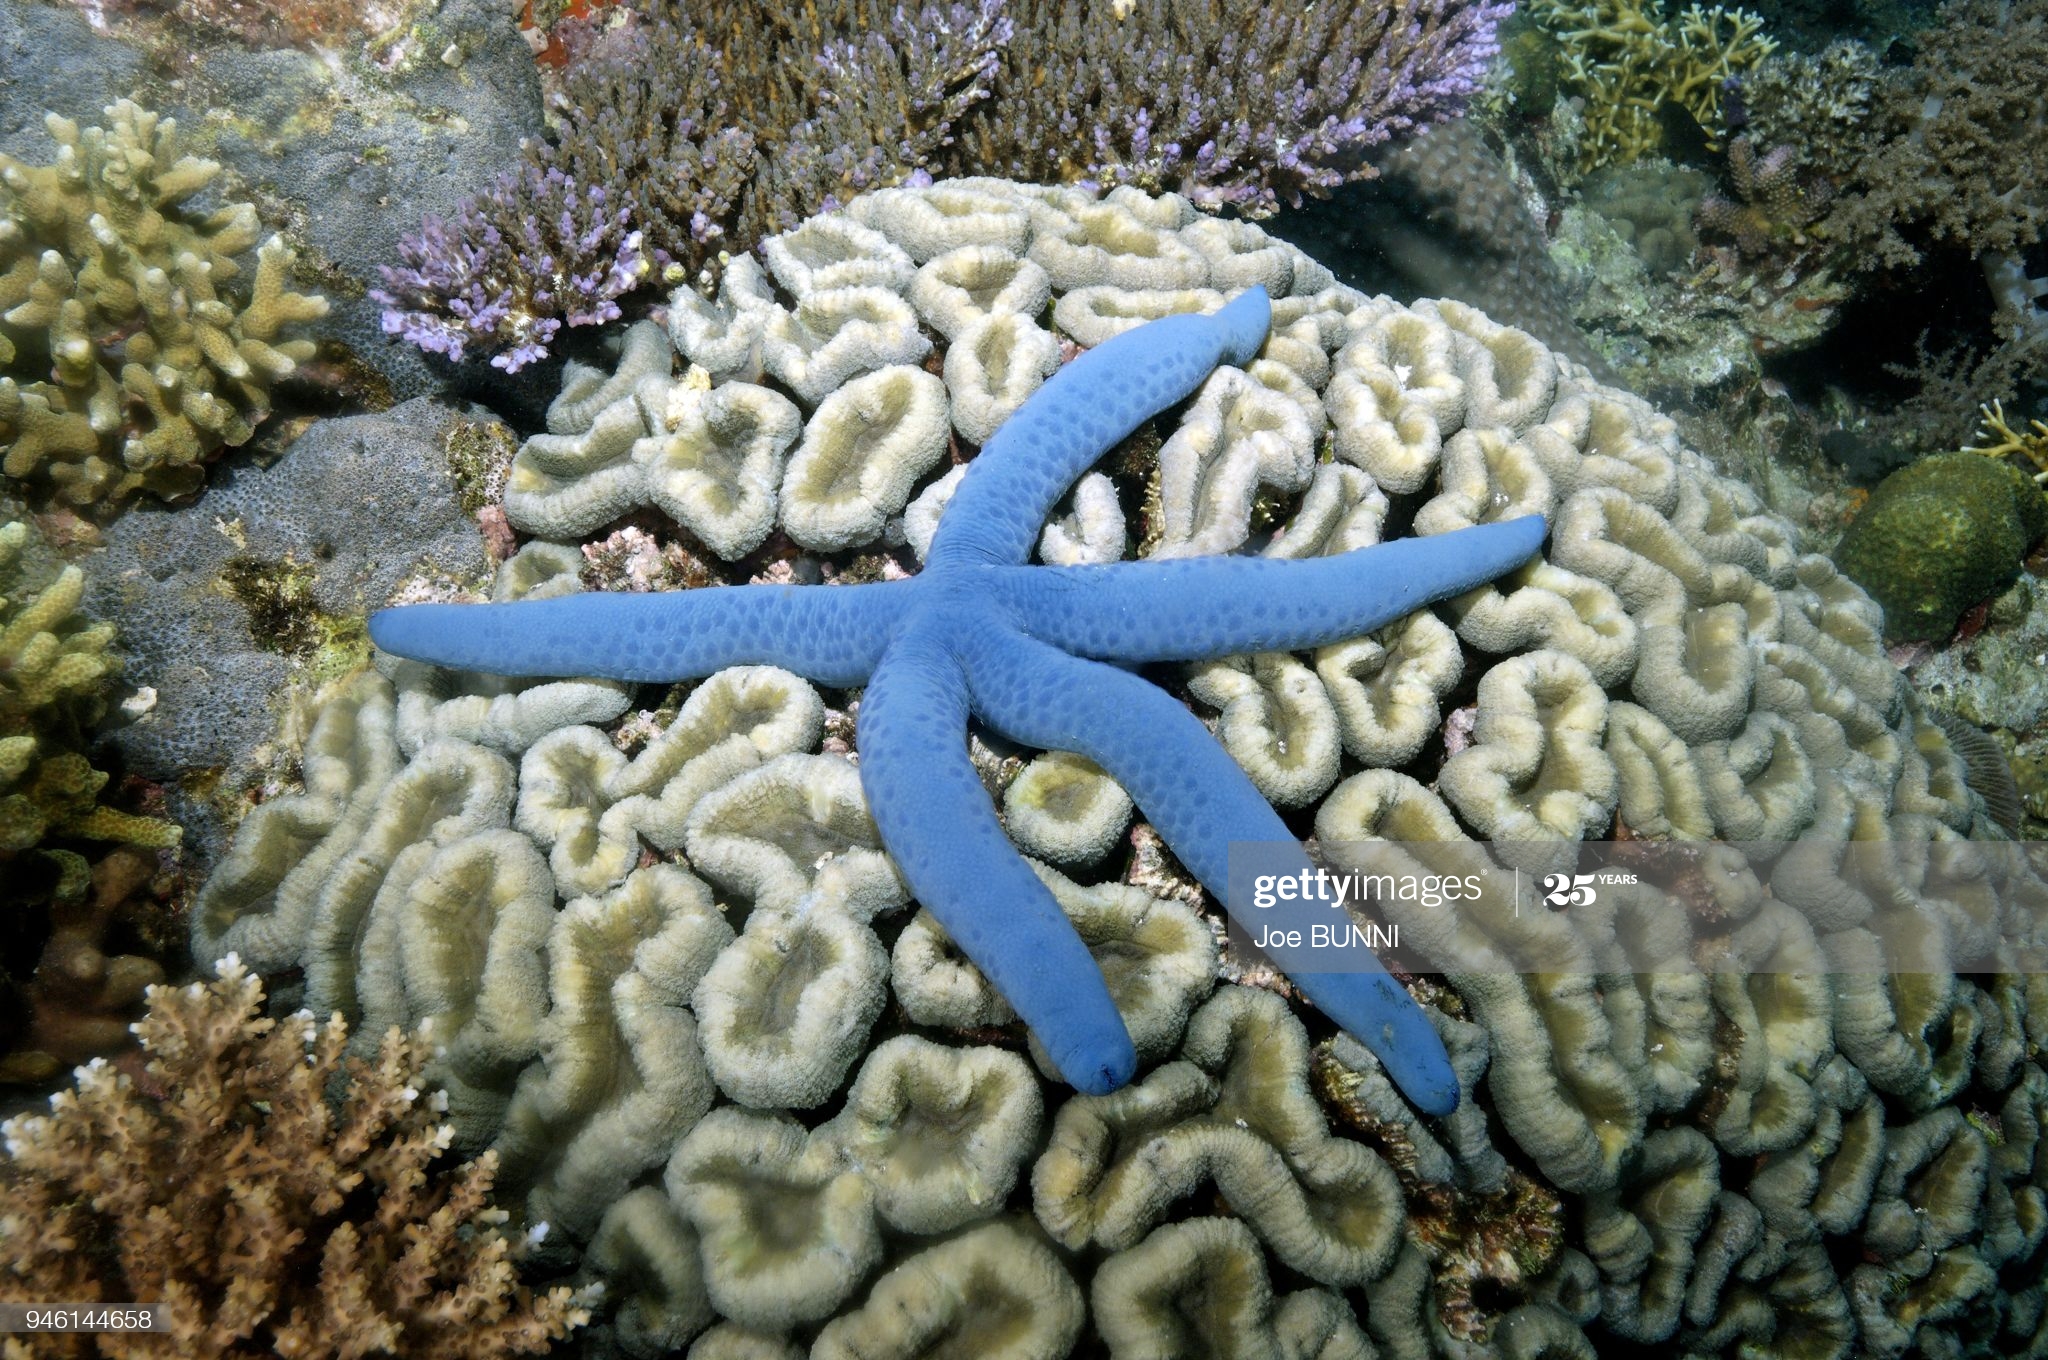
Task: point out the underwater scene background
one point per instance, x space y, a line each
350 1006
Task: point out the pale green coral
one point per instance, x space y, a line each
131 354
55 667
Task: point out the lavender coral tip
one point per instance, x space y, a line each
1035 652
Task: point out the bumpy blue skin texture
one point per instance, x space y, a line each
1035 653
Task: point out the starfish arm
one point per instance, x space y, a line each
1197 608
1195 796
1082 412
937 821
833 635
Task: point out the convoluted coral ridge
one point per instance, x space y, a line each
787 1113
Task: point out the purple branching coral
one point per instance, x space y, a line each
534 252
1233 108
690 132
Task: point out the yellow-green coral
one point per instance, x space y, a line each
1628 59
53 665
1940 535
129 351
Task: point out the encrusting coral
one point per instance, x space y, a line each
1680 1140
129 352
221 1184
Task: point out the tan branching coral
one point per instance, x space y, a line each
125 297
265 1220
1628 58
55 665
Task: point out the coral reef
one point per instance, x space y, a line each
1778 198
1445 218
222 611
1739 1162
289 23
129 353
1651 202
936 644
530 254
55 669
221 1184
691 137
1939 536
1818 102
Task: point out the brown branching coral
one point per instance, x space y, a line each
1956 149
267 1220
86 985
1777 200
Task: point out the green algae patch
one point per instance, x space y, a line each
285 618
1940 536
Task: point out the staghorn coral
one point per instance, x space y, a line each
690 137
534 252
1629 59
1745 693
129 353
265 1221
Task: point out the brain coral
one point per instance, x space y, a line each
781 1108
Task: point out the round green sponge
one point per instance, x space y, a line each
1939 536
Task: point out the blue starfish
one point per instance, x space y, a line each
1036 652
